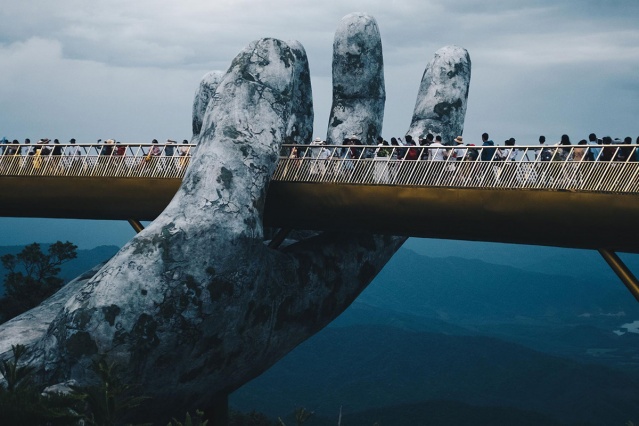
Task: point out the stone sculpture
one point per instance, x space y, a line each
203 95
197 304
358 81
300 123
441 102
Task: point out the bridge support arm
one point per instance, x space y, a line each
136 225
279 238
622 271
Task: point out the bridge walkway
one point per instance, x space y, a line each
446 192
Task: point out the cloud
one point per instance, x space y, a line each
42 93
110 60
129 69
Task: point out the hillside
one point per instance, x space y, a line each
86 260
364 368
468 291
446 337
417 345
579 317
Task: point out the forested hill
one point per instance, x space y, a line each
567 315
370 371
446 337
86 260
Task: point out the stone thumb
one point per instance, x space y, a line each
239 144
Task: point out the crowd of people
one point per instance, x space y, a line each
55 155
432 147
107 147
429 147
446 157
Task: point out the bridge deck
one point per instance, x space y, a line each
586 204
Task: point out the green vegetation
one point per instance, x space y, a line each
103 404
301 416
15 375
108 402
195 421
22 404
252 418
32 276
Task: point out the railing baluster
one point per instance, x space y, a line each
337 166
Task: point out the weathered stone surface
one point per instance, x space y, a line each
300 123
196 304
441 102
29 328
358 81
203 95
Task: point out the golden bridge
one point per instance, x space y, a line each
523 200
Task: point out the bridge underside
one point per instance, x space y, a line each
76 197
538 217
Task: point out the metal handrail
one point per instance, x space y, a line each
614 170
96 160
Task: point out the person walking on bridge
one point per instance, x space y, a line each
487 153
593 142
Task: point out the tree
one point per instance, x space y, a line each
33 276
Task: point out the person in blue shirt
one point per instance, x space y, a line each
3 142
487 153
592 140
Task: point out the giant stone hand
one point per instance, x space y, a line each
196 304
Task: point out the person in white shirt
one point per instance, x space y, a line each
320 155
459 152
382 156
315 152
509 153
435 152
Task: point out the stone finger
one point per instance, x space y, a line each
358 81
440 108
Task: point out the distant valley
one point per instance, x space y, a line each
527 336
514 343
370 371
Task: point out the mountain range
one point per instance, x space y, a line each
504 335
518 341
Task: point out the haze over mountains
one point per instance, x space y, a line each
437 336
503 335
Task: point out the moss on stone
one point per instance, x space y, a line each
444 109
110 313
257 315
225 177
458 68
288 313
336 122
144 334
80 344
193 285
81 318
220 287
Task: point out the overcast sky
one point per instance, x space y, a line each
129 69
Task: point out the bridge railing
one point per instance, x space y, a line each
91 160
594 168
